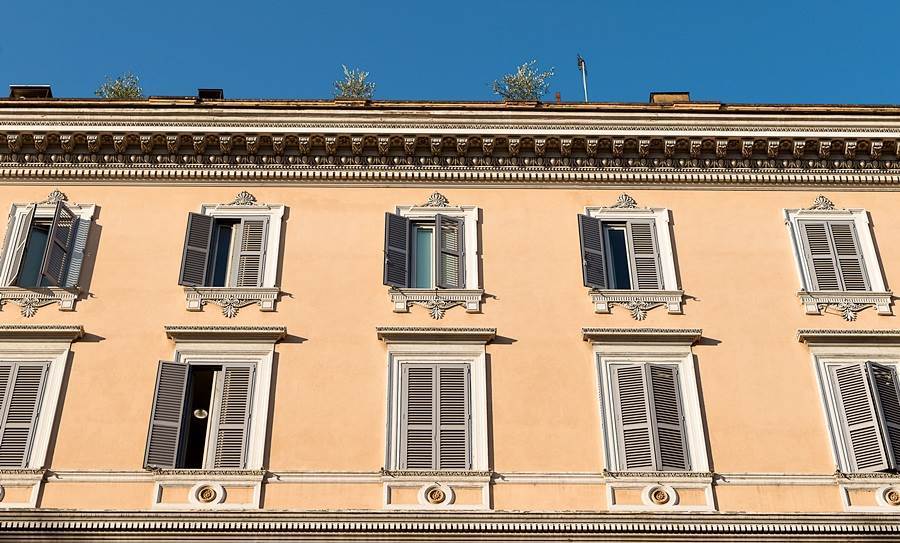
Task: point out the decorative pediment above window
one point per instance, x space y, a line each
435 334
218 333
680 336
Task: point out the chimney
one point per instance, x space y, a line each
210 94
558 97
30 92
669 97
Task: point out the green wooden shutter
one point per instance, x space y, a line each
884 383
668 418
164 437
195 256
859 418
17 235
593 263
450 253
819 255
849 257
396 250
453 417
634 425
645 269
417 443
22 385
250 252
59 243
232 425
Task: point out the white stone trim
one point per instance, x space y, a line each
681 355
847 303
670 488
217 481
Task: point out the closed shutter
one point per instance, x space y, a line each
17 236
593 263
634 427
235 393
884 381
453 416
396 250
644 255
195 257
76 256
164 437
450 254
668 417
250 253
22 386
59 243
417 444
858 417
849 257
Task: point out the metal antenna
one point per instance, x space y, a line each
582 65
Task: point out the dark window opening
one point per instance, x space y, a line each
197 415
617 249
422 255
35 247
220 255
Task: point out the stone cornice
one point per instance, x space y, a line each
823 336
212 332
41 332
686 336
449 334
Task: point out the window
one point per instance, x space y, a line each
833 255
201 416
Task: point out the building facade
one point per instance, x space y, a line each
280 319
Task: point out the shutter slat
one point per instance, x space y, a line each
593 263
251 252
163 438
632 412
450 252
396 250
17 234
76 256
453 417
819 255
59 243
885 383
669 418
23 384
195 257
235 393
858 417
849 257
418 418
644 255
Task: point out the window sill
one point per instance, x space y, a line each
848 304
437 301
639 302
30 299
230 299
430 490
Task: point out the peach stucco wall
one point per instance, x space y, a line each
759 393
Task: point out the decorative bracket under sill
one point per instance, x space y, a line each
639 302
29 300
848 304
437 301
230 299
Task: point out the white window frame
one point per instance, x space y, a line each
472 295
474 356
639 301
233 298
817 302
681 356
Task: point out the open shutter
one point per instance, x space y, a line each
450 254
23 387
396 250
644 255
59 243
453 417
849 258
235 390
76 255
819 255
251 251
668 418
164 437
884 381
417 445
634 427
16 236
593 264
195 257
858 417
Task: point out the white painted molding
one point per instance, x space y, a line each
436 301
434 334
220 332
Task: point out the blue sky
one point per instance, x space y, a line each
776 51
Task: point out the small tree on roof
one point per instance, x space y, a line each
126 86
354 85
525 84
